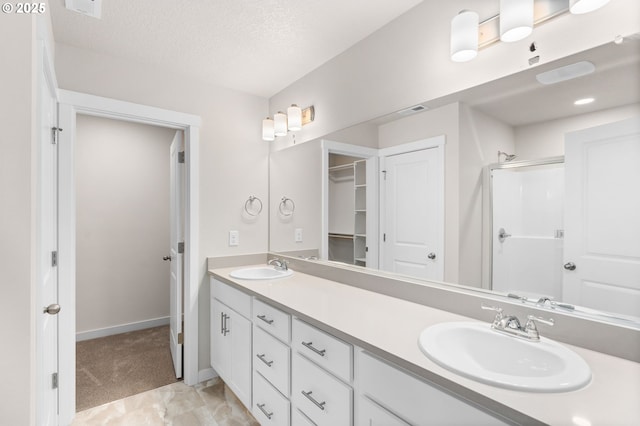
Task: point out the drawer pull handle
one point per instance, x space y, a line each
320 405
222 323
264 318
309 345
261 358
266 413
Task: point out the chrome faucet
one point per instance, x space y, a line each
510 324
279 264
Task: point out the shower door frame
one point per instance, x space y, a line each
487 209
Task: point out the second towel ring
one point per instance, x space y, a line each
249 204
283 206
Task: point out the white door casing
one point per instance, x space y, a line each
47 231
602 211
176 257
412 211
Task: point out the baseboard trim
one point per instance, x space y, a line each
123 328
206 374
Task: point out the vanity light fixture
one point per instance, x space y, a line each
514 22
516 19
579 7
464 36
282 123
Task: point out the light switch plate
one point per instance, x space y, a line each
234 238
298 235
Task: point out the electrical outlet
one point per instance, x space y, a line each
234 238
298 235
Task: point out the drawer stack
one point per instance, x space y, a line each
271 365
321 373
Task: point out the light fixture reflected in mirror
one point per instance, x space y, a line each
464 36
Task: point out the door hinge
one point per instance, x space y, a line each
384 238
54 381
181 247
181 157
384 172
55 132
180 338
54 258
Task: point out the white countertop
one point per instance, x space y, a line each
393 325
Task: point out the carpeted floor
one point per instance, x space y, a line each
114 367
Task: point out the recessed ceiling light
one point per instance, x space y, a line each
584 101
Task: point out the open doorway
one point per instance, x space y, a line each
122 235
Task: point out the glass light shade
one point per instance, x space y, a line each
294 118
516 19
578 7
280 123
464 36
268 133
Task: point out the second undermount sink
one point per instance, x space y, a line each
260 273
476 351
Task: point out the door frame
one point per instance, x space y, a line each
70 105
437 143
370 154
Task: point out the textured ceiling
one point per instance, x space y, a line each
255 46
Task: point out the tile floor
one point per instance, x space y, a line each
208 404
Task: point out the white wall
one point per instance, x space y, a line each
17 219
546 139
122 228
407 62
233 158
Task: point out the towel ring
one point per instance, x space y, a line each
248 206
283 206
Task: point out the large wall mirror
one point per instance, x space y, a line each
509 187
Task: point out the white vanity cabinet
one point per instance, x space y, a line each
407 399
231 338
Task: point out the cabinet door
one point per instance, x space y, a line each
239 362
371 414
219 347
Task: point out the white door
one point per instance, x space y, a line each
413 209
47 292
602 218
176 215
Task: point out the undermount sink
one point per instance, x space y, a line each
476 351
260 273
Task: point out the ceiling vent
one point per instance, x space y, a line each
91 8
412 110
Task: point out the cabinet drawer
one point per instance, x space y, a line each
324 349
412 399
269 407
299 419
371 414
271 359
272 320
235 299
319 395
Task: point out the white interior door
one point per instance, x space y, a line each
602 218
176 254
47 293
412 232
